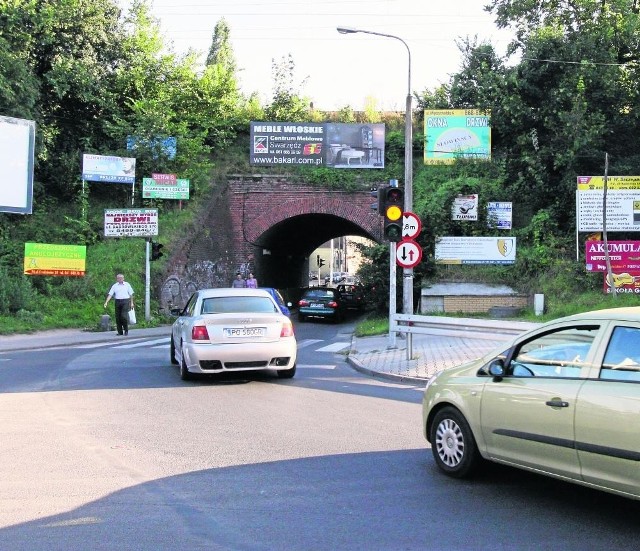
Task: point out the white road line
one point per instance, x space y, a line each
335 347
144 343
307 342
315 366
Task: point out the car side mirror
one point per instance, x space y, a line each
497 369
175 311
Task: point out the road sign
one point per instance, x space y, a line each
408 254
411 225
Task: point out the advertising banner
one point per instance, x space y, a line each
623 283
623 210
465 207
130 222
334 145
153 188
54 260
167 146
624 256
17 146
102 168
613 182
475 250
499 214
451 134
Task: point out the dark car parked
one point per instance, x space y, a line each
320 302
352 296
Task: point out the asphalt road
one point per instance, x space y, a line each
103 447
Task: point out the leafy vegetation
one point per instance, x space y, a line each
91 77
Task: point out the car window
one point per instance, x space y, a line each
622 359
561 353
238 305
320 293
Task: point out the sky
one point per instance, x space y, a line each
335 70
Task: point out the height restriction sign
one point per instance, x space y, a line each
408 254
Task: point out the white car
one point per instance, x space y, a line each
232 330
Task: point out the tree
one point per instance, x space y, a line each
287 104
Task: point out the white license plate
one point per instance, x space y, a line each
245 331
316 305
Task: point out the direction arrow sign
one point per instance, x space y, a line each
411 225
408 254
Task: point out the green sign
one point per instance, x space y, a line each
451 134
152 189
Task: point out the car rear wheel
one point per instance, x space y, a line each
452 443
173 352
287 373
185 374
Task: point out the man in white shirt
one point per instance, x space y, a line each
122 293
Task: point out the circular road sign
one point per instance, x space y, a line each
411 225
408 253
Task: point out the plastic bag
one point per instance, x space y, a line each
132 316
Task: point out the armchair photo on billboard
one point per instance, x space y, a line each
354 145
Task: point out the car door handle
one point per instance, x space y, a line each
557 403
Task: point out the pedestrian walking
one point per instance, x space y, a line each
252 282
239 282
122 294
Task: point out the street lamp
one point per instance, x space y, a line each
407 281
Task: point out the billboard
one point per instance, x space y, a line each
17 146
335 145
624 256
54 260
130 222
475 250
465 207
623 203
167 146
450 134
160 187
623 283
499 214
107 169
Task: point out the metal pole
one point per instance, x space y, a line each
407 279
147 282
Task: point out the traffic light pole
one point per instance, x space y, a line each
147 281
392 292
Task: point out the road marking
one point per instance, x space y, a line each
163 340
307 342
315 366
335 347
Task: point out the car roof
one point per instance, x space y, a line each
233 292
629 313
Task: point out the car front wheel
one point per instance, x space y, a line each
172 348
452 443
287 373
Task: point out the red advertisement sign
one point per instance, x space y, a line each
623 255
627 283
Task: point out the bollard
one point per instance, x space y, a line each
105 322
538 304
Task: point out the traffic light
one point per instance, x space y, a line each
320 262
393 206
156 250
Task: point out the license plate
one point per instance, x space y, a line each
245 331
316 305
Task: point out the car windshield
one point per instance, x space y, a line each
237 305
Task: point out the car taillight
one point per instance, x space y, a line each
332 304
287 330
303 303
199 333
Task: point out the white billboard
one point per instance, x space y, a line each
17 146
475 250
130 222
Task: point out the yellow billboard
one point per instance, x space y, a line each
613 182
54 260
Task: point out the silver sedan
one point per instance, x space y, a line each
229 330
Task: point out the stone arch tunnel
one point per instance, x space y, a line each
268 225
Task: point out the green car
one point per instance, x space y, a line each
562 400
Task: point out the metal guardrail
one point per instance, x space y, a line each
439 325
